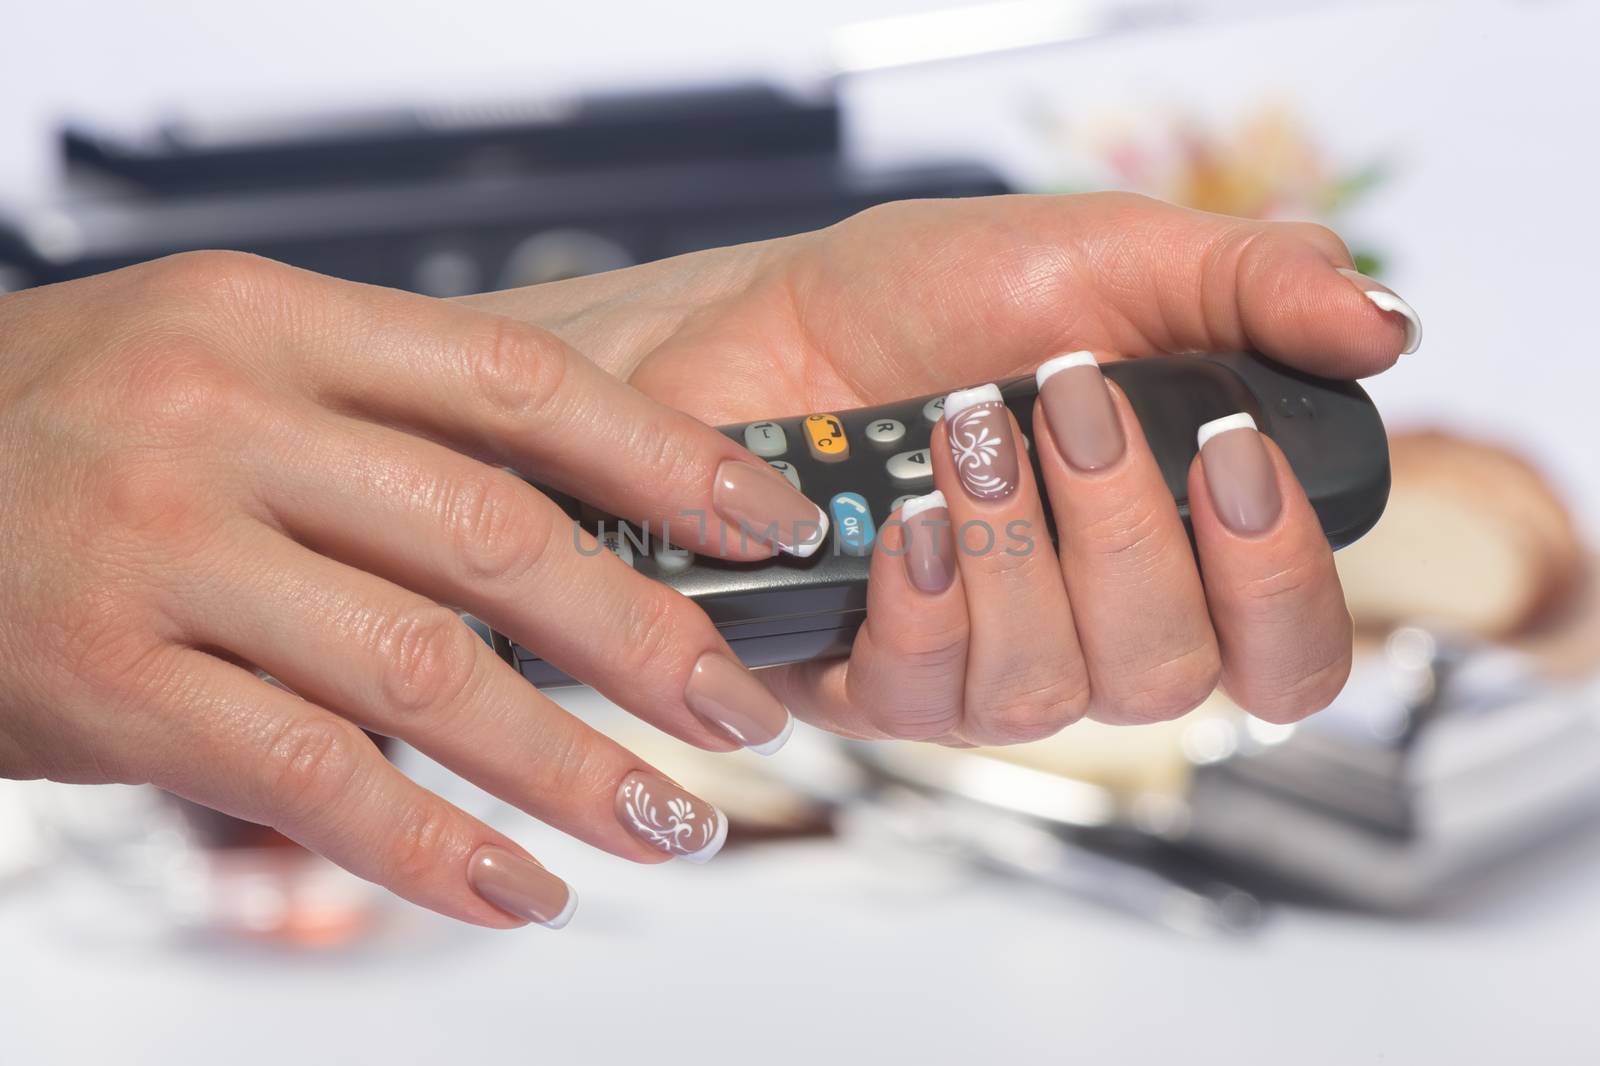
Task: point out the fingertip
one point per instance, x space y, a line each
1299 307
1388 301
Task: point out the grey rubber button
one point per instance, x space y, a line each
766 439
912 466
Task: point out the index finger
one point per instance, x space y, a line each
519 396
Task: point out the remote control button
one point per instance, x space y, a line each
886 432
899 502
933 409
620 546
825 436
788 471
852 519
912 466
671 559
766 439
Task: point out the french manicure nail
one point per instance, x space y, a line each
521 887
930 547
981 443
1079 412
727 697
664 816
1386 300
761 503
1239 474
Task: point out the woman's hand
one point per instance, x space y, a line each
214 465
996 638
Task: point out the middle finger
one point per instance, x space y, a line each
466 534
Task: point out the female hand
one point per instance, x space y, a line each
978 642
214 465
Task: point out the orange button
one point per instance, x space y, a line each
825 437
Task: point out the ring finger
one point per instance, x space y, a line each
1151 652
400 665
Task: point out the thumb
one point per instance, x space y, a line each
1194 281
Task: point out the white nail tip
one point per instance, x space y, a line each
707 853
1388 301
962 399
773 746
560 920
1051 367
1242 420
915 506
808 548
1384 300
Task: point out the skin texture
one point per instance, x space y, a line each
213 464
915 297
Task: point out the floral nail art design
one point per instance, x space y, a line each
984 453
666 817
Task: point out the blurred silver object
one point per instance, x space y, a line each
1441 758
1022 847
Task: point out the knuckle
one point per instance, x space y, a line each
1131 532
152 500
652 627
1170 689
430 660
107 642
310 765
497 536
1289 700
661 445
422 843
177 390
925 647
1321 237
207 275
1121 204
1280 595
514 368
570 774
1032 713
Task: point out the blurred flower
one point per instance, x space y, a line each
1266 165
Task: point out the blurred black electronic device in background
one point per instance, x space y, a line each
454 200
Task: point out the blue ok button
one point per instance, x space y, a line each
852 521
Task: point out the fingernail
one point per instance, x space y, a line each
665 816
763 505
981 444
1386 300
1079 412
1239 474
930 549
728 697
521 887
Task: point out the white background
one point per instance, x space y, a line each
825 953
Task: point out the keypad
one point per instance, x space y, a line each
787 470
825 438
672 559
914 466
933 409
852 523
618 545
766 439
886 432
901 501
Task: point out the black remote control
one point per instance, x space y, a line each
858 465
